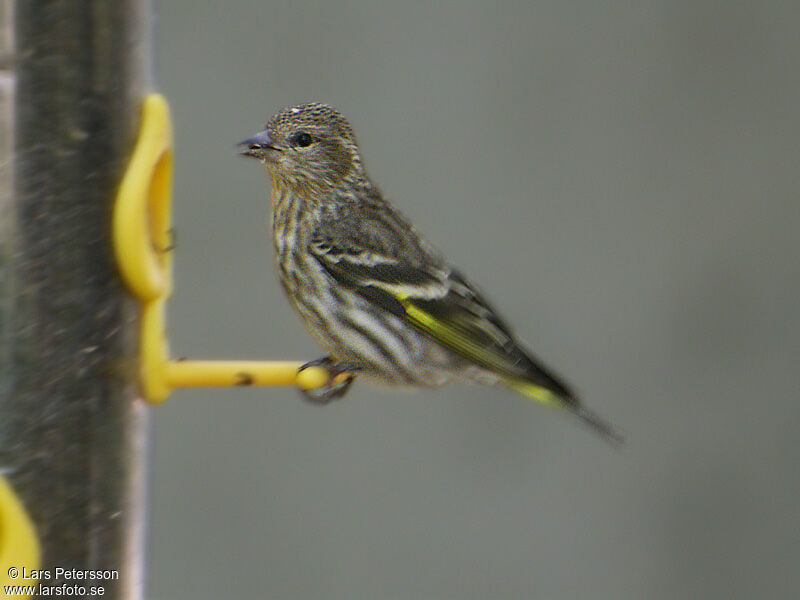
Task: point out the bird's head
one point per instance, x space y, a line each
308 146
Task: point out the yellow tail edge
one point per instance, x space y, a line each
547 397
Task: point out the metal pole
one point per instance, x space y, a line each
72 432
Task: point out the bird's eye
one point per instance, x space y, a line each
302 139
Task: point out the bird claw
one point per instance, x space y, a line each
341 378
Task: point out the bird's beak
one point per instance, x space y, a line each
259 146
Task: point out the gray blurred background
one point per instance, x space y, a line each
623 180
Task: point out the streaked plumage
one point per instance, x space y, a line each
369 288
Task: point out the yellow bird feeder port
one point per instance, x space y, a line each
20 553
142 235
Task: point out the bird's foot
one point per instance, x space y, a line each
341 378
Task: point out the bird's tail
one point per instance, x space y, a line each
570 403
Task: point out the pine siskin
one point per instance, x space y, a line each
369 288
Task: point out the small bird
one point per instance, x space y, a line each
374 294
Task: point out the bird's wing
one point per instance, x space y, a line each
380 257
391 268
